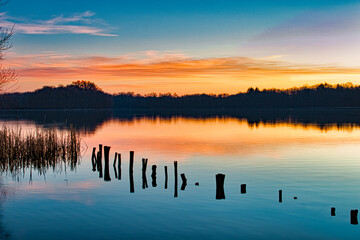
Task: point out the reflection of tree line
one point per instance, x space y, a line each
87 121
96 160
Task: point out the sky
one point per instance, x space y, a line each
183 47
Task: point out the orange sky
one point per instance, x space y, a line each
163 72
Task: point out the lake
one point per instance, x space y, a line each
313 156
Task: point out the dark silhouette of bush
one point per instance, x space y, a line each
84 95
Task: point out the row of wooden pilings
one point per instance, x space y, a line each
96 160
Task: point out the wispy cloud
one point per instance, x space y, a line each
76 24
174 72
325 35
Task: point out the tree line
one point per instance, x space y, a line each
86 95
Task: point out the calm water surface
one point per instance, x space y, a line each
317 163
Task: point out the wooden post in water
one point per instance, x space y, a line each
153 175
176 180
93 159
354 217
131 172
107 170
144 179
114 166
184 181
115 158
333 212
166 177
119 166
280 196
131 165
243 188
220 179
99 161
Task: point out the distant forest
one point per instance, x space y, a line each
86 95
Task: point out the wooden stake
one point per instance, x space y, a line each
220 179
166 177
176 180
354 217
107 170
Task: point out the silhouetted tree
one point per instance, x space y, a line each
7 75
86 85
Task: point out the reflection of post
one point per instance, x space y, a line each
220 179
332 211
107 170
280 196
119 165
93 159
354 217
131 172
243 188
176 179
144 179
166 177
184 181
153 175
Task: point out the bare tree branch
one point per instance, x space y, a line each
8 76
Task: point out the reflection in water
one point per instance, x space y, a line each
88 121
319 167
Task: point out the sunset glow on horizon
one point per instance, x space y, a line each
184 47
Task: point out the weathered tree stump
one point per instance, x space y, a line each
243 188
99 161
107 170
333 212
166 177
131 172
220 179
114 165
144 179
93 159
119 166
176 180
354 216
184 181
115 158
153 175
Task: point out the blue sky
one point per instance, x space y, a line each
299 32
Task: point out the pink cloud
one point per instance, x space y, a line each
76 24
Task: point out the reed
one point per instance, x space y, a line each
40 149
